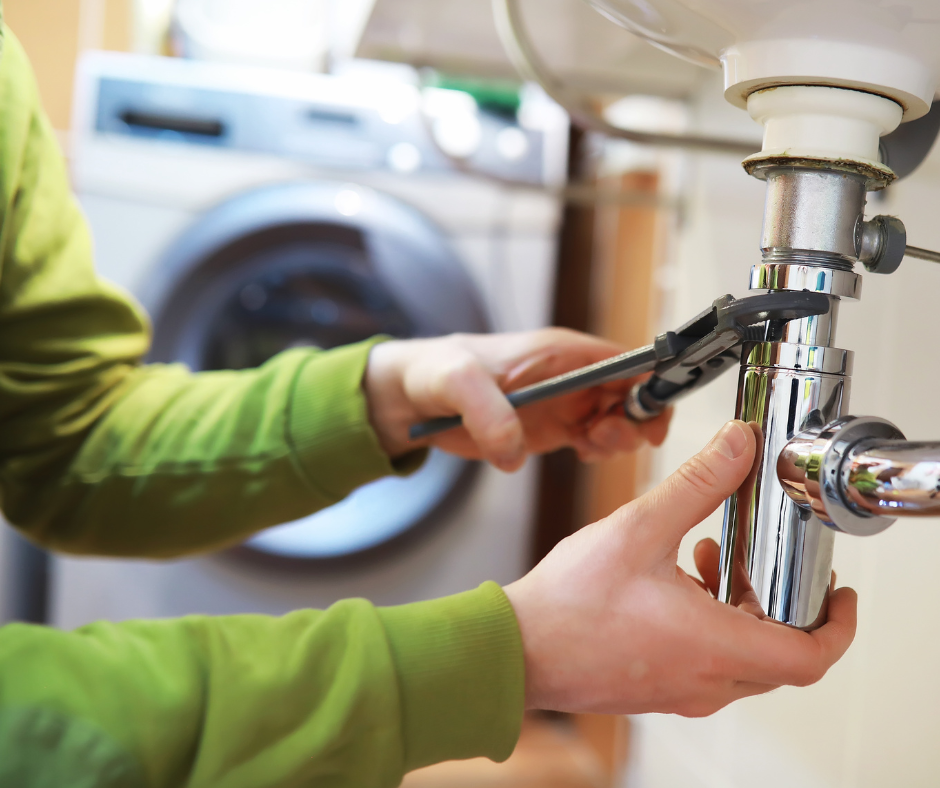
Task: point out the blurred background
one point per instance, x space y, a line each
311 172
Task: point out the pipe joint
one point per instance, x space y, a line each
858 474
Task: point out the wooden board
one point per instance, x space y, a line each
55 32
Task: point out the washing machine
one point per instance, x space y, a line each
253 210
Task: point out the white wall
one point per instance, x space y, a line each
875 719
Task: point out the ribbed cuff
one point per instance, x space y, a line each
328 424
461 675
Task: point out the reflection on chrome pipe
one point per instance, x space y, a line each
858 474
773 548
895 478
792 464
813 468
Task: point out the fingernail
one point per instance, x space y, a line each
731 440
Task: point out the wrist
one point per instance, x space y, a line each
388 407
534 696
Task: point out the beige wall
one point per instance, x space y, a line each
55 31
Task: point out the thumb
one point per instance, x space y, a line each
701 484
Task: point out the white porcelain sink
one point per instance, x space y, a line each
883 47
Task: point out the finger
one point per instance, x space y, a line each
682 573
727 691
836 635
745 689
773 653
488 416
614 433
655 430
750 604
588 453
553 351
736 691
699 486
828 643
706 555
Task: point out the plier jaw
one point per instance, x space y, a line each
711 343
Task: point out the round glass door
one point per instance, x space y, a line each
258 291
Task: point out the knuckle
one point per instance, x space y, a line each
557 333
460 370
698 475
503 432
554 337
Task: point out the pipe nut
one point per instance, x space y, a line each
880 244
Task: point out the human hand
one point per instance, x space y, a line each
408 381
611 624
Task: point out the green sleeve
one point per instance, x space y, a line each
100 454
351 696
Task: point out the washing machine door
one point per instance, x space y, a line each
320 265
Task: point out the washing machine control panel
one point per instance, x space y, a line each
328 121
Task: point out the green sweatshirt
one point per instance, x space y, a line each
99 454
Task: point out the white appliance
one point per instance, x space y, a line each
251 210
